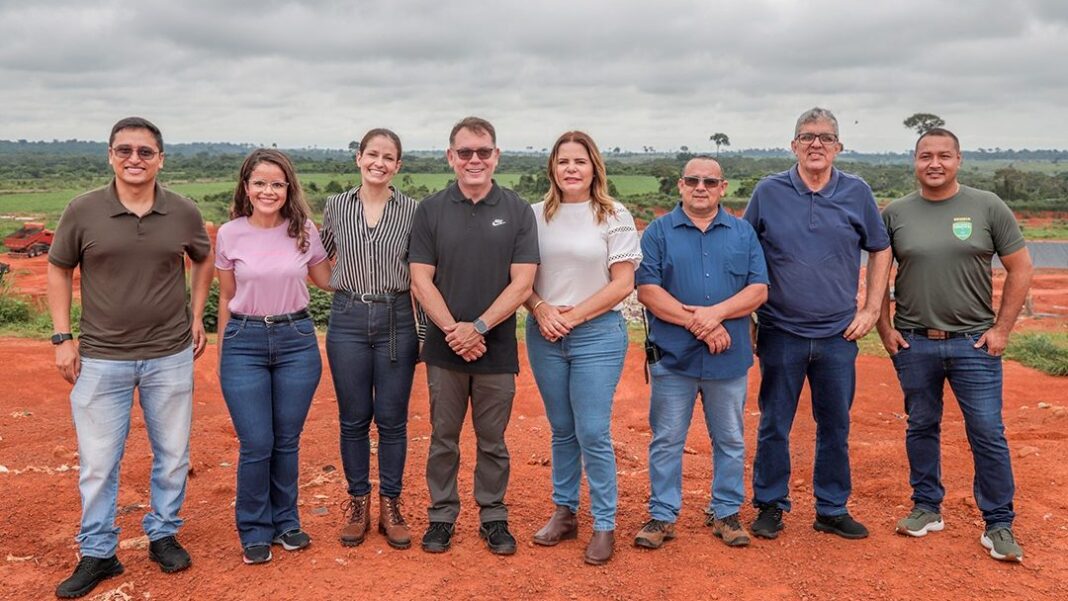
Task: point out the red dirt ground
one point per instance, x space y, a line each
40 507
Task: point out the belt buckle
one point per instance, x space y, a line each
363 298
933 334
269 320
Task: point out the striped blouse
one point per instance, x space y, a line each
369 259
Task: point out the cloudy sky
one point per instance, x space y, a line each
663 74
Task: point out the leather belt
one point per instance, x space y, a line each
933 334
389 299
273 319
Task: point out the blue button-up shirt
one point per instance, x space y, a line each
812 242
701 268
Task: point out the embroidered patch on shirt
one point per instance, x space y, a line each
962 227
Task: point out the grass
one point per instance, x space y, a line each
1058 230
1046 352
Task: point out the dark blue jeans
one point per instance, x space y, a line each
268 375
975 377
830 366
370 386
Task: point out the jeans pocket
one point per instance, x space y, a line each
233 328
304 327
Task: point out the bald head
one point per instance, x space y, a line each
702 163
701 186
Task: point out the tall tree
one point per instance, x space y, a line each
719 139
923 122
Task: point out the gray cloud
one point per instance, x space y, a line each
663 74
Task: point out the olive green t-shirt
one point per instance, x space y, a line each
132 272
944 250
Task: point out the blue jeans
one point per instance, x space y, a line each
268 375
670 412
577 377
371 386
975 377
830 366
100 405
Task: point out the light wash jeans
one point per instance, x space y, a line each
100 405
577 377
670 412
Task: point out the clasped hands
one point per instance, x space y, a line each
707 326
553 321
465 341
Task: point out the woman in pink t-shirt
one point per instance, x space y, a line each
269 363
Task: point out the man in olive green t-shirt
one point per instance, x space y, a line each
130 240
945 329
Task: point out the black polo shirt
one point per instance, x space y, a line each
473 246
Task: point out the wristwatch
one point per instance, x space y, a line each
480 326
60 338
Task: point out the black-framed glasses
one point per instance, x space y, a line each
691 181
143 152
260 185
465 154
808 138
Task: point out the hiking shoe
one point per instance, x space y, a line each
438 537
843 525
1001 544
169 554
257 554
730 531
768 523
391 522
654 533
358 520
294 540
497 537
919 522
89 572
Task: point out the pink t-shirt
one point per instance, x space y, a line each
271 272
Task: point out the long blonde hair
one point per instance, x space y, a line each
602 204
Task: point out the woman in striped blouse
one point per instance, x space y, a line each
371 342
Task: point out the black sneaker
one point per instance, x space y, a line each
497 537
294 540
90 572
768 523
257 554
438 537
169 554
843 525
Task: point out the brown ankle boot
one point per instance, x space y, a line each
599 551
359 520
562 526
391 523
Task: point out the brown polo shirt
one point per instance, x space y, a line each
132 272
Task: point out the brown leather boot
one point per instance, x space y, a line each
562 526
359 520
599 551
391 523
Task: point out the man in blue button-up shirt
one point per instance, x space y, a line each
701 276
813 221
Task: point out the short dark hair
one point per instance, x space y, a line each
136 123
938 131
475 124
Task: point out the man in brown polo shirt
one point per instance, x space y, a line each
130 240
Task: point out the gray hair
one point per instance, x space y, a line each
816 114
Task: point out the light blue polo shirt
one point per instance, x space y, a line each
812 243
701 268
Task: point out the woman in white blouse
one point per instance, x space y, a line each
576 337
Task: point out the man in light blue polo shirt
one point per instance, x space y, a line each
701 276
812 221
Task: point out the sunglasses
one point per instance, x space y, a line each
465 154
691 181
143 152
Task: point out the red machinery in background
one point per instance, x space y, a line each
31 240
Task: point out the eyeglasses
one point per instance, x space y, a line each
143 152
691 181
259 185
810 138
465 154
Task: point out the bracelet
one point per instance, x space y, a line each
536 305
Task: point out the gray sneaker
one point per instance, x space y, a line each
1002 544
919 522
